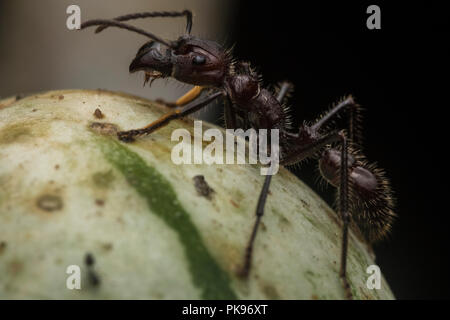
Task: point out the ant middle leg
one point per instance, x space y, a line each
245 270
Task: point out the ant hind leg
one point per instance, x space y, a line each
284 90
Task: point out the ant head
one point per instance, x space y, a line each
199 62
189 60
152 61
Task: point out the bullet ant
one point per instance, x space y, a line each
364 194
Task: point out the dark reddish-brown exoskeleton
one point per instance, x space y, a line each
364 194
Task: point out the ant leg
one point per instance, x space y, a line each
245 271
353 118
343 210
354 133
343 192
189 96
185 99
230 115
333 112
234 118
305 152
284 89
128 136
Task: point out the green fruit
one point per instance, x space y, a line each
70 190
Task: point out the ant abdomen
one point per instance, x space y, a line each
362 180
370 194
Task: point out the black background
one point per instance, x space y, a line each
399 75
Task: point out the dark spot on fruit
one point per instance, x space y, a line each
108 129
49 203
61 97
107 246
263 227
120 220
98 114
284 221
103 179
2 247
15 267
57 167
13 133
19 96
305 204
89 259
22 132
270 292
202 187
100 202
34 110
234 203
94 279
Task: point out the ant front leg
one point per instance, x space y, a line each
128 136
245 270
185 99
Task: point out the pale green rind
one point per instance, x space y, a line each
46 148
162 200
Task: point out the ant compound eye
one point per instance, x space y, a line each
199 60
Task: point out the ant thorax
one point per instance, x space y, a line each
242 88
261 107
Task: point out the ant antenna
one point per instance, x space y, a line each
143 15
113 23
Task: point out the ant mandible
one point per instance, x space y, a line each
364 194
